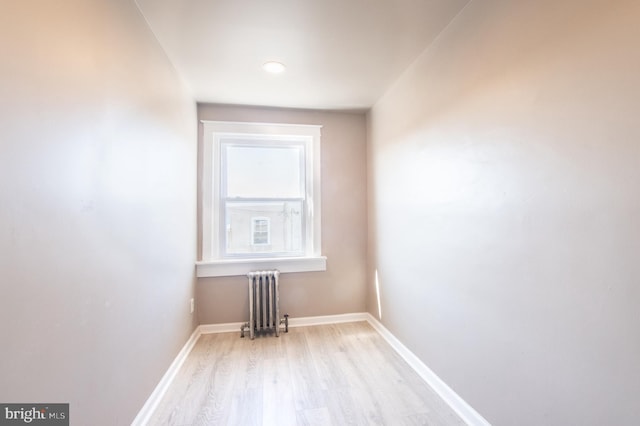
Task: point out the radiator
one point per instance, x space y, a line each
264 300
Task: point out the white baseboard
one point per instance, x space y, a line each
149 407
460 406
293 322
327 319
220 328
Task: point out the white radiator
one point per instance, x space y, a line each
264 300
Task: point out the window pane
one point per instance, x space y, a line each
264 171
263 227
261 230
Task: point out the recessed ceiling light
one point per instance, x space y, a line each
273 67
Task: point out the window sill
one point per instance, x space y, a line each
235 267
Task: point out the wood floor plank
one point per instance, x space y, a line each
339 374
314 417
278 405
343 409
305 380
324 343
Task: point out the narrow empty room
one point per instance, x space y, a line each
432 203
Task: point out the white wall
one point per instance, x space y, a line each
505 211
97 208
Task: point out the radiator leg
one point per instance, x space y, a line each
242 327
285 321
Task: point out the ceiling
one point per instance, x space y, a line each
339 54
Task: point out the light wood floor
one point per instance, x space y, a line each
338 374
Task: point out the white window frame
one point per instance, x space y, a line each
213 263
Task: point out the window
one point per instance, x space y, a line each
260 231
264 177
260 199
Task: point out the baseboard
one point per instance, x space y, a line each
293 322
228 327
149 407
459 405
327 319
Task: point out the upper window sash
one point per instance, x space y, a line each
284 143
